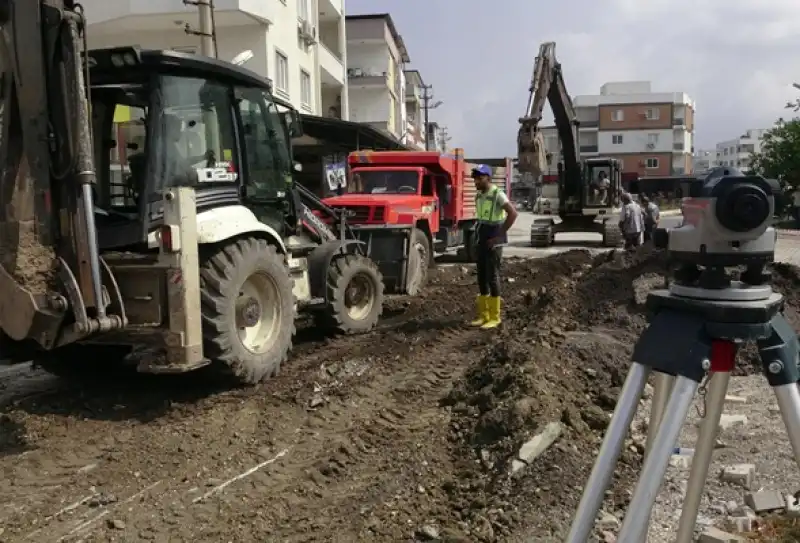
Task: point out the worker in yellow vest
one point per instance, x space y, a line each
496 215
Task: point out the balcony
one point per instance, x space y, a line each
368 79
126 16
331 67
678 147
589 124
589 149
413 94
330 10
678 123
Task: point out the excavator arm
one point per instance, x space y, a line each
51 275
547 85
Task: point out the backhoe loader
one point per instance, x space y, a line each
149 205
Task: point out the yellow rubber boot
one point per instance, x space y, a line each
481 311
494 313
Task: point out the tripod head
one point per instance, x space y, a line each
727 221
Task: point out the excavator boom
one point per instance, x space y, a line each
547 85
50 269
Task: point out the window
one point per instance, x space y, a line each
652 114
618 115
652 139
616 139
305 89
266 149
194 133
302 10
373 181
651 163
281 72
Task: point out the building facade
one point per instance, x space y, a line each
652 133
299 44
415 113
703 160
738 152
376 61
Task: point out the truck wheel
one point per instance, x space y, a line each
355 295
247 309
612 236
418 261
471 245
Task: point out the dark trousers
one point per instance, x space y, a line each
632 241
648 232
488 264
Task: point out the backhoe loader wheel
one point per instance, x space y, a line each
418 262
247 309
612 236
355 295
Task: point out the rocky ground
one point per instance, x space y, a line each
412 432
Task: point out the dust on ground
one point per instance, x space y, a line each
403 434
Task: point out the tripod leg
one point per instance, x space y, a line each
788 397
704 448
634 527
663 388
603 469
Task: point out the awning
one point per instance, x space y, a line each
336 135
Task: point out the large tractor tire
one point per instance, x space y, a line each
612 235
355 295
247 309
419 258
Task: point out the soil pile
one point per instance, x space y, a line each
562 357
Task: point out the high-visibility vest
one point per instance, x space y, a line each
489 212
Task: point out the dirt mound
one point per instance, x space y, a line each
561 358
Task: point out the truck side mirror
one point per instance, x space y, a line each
447 195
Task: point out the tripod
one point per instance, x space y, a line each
694 332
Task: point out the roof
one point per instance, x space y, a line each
347 135
105 61
398 39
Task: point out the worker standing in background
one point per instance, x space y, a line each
496 215
631 222
651 217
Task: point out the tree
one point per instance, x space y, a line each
779 157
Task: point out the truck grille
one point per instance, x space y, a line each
362 214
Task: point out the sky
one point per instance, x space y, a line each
737 59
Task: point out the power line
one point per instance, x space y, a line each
427 105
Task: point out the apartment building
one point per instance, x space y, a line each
415 112
738 152
376 81
703 160
436 135
652 133
298 44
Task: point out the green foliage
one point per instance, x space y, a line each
780 153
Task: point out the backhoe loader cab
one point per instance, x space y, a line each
199 225
602 183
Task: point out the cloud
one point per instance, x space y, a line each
736 58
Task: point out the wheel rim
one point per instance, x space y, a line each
258 314
359 297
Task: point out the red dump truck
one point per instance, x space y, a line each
425 197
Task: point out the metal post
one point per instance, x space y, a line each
205 12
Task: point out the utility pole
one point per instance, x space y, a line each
207 30
427 105
444 137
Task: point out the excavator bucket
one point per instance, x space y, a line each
51 276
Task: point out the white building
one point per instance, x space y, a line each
298 44
703 160
737 152
376 60
652 133
415 114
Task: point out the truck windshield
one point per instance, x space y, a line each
384 182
